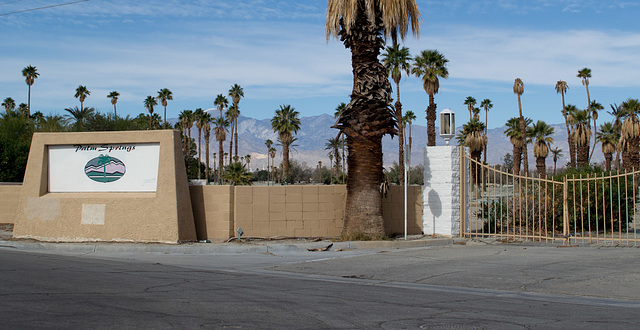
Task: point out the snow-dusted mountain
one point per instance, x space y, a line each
316 130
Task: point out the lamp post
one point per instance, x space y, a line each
447 125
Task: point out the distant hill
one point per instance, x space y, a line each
316 130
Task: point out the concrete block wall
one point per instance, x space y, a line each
9 198
296 211
441 194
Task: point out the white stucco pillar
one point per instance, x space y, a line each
441 191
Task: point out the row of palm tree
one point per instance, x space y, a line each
430 65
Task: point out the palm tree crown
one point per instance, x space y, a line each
114 99
81 94
164 95
149 103
431 65
285 122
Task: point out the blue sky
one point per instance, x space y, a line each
277 51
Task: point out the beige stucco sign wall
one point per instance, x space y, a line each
85 209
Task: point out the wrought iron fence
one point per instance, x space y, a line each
593 208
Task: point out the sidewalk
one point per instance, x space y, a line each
234 246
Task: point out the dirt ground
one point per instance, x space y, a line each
6 230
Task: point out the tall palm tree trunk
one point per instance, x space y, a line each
517 160
523 134
431 121
29 102
583 154
165 115
220 160
231 144
541 167
236 137
285 162
199 152
608 157
207 176
364 201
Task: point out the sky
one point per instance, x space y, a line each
278 52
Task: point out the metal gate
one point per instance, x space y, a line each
587 209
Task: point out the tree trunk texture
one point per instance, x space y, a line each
431 122
206 147
365 120
231 145
400 141
220 161
632 162
517 161
364 200
285 162
199 152
572 152
235 132
541 167
476 169
583 155
608 157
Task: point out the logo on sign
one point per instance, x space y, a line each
104 169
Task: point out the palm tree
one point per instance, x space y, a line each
31 74
431 65
220 130
206 127
595 107
81 94
186 123
199 118
238 175
114 99
333 145
362 28
236 92
557 153
473 137
232 115
247 159
618 116
518 89
608 136
541 134
561 88
149 103
396 60
581 135
268 143
515 137
585 74
285 123
8 104
338 112
486 105
79 116
272 153
220 103
408 118
164 95
52 123
470 102
630 135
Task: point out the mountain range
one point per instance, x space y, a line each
316 130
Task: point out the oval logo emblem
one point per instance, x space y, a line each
104 169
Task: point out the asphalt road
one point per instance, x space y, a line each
452 287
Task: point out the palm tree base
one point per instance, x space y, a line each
363 213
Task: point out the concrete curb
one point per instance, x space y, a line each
221 248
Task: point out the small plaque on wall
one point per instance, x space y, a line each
103 168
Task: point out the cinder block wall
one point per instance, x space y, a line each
297 211
9 198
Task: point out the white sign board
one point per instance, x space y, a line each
104 168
